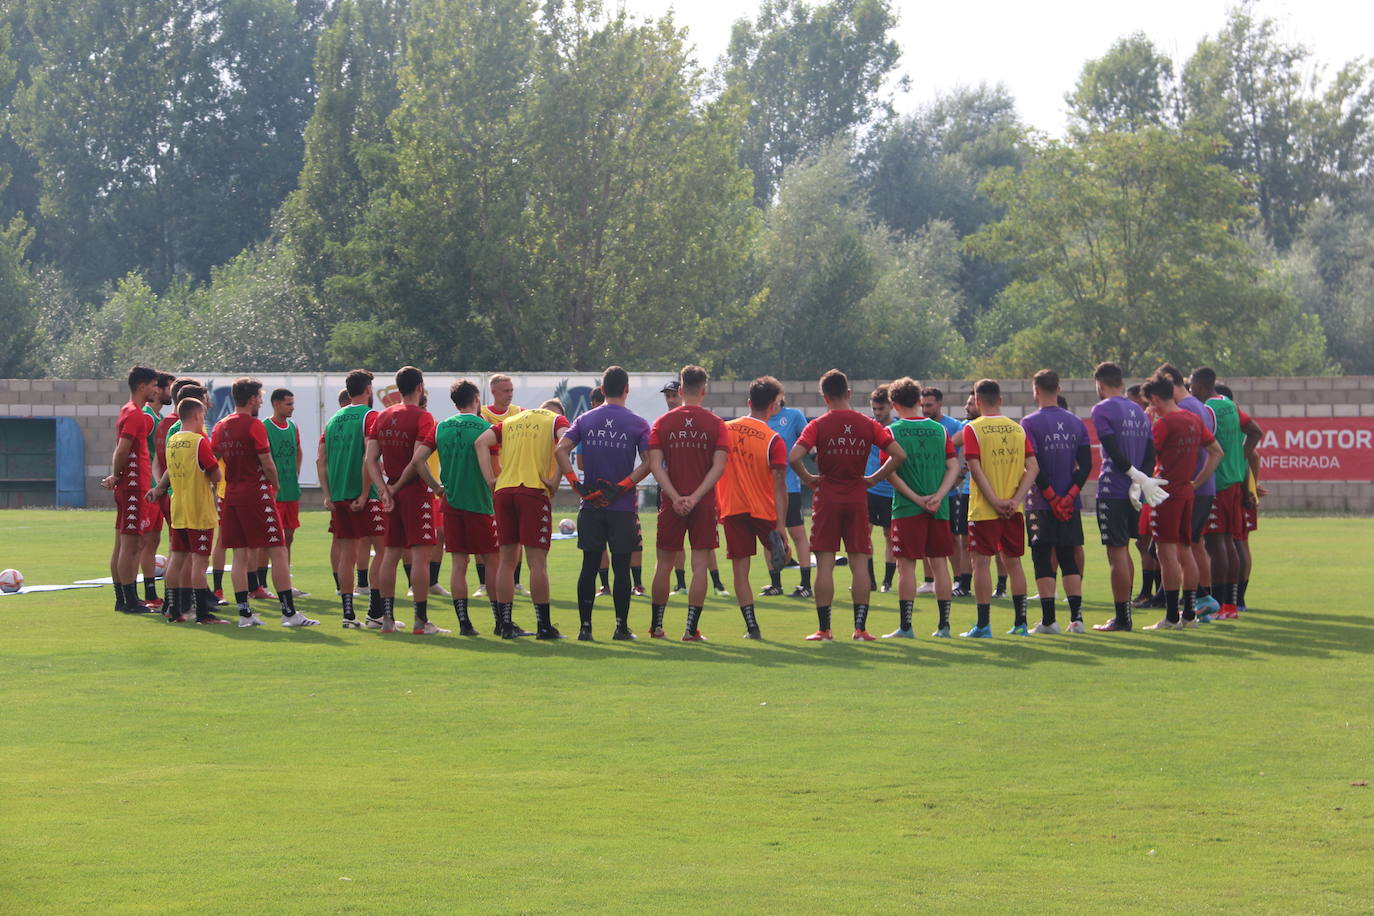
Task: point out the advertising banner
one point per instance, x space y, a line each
1316 448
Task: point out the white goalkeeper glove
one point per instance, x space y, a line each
1151 488
1134 494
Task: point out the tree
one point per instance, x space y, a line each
1130 87
1331 269
812 74
1126 248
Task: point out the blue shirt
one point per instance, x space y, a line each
789 423
875 460
955 429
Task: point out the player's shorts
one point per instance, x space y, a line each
254 526
411 520
153 516
698 527
472 533
367 522
743 534
1117 521
794 510
992 536
1043 529
880 511
1172 521
958 514
193 540
131 514
1228 515
289 513
833 523
438 513
923 535
1202 510
608 529
522 517
1250 519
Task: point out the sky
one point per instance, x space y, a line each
1037 50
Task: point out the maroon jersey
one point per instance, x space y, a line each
137 426
396 430
1178 436
842 439
238 440
689 438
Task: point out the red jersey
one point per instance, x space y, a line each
689 437
238 440
1178 436
160 438
842 439
396 430
137 426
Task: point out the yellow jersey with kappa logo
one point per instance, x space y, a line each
1000 444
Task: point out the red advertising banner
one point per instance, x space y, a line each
1316 448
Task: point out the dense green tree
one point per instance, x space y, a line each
1331 266
1130 87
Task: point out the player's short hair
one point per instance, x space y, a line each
1134 392
408 378
1109 374
464 393
1170 371
878 394
763 391
344 397
834 384
357 381
1160 385
1046 380
693 379
244 389
615 382
499 378
165 378
180 383
555 405
1063 402
141 375
987 391
906 392
281 394
932 392
193 390
1224 390
598 396
189 407
1207 376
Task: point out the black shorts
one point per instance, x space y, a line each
601 529
1202 508
1118 522
958 514
1044 530
880 511
794 516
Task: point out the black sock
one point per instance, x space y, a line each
121 602
751 623
860 616
928 580
262 577
605 576
1147 581
775 578
806 576
422 611
131 595
362 578
984 615
1018 602
1189 605
173 603
656 616
149 588
1171 605
693 618
889 570
715 580
388 608
542 618
1203 591
681 578
434 567
481 574
218 575
507 613
1001 583
584 612
1075 607
460 607
518 566
241 599
205 601
410 576
336 580
252 580
347 599
905 609
823 617
638 573
967 581
1123 613
1226 592
1047 611
1240 591
287 602
496 611
871 577
374 603
944 605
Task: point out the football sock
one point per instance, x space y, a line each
218 576
1171 605
422 611
1226 592
944 605
287 602
1075 607
693 617
1018 602
984 615
1123 613
889 570
205 601
362 577
928 580
775 578
149 588
966 581
460 608
1189 605
681 578
434 567
518 566
410 577
262 577
871 577
241 599
374 603
481 574
496 613
823 617
605 575
715 580
1001 583
388 608
656 616
252 580
542 618
131 596
507 613
806 576
586 586
860 616
120 600
1203 591
620 592
1240 591
1047 616
905 609
347 599
637 572
750 622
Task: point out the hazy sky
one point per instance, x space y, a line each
1037 49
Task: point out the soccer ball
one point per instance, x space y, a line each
566 526
159 566
11 581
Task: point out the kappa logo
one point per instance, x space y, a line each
687 421
271 529
848 429
610 424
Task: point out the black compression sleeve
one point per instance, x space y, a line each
1114 452
1084 459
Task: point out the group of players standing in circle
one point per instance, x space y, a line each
1178 477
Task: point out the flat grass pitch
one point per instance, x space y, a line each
157 768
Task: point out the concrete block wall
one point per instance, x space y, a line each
93 403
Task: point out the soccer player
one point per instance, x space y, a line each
614 442
248 514
354 508
523 487
842 438
188 480
1238 435
788 422
753 497
1054 522
1128 452
672 397
392 441
152 538
158 455
501 408
880 494
1198 575
687 453
1001 461
1250 498
920 511
933 406
130 477
1178 435
284 439
465 497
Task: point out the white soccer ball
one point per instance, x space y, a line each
159 566
11 581
567 526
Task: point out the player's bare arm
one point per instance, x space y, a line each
419 466
1027 481
1214 455
322 469
483 446
931 503
895 456
716 471
660 473
269 468
372 468
118 461
156 490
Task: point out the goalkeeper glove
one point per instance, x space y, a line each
591 496
1049 496
1151 488
613 491
1134 494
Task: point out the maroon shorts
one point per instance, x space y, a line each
156 513
367 522
1227 515
467 532
438 514
1171 522
522 517
847 521
254 526
924 535
698 527
992 536
411 522
289 513
193 540
1250 519
743 534
131 512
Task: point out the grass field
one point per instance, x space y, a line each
158 768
